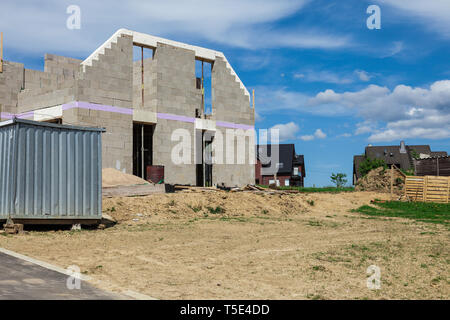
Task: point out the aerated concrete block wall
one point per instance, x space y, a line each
176 94
11 82
55 86
229 101
231 104
150 76
109 81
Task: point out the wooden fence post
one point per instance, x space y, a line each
448 190
392 182
425 188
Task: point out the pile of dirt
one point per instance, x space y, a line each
379 179
114 178
219 204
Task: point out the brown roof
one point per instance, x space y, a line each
392 155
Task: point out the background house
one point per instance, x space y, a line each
289 167
402 156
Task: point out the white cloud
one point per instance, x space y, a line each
345 135
407 112
393 49
270 100
287 131
363 75
39 27
307 137
318 134
327 76
299 75
434 14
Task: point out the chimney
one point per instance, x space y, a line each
402 147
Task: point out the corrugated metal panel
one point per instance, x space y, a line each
6 148
50 171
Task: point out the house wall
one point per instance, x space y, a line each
231 105
176 94
11 82
258 176
107 94
281 178
108 82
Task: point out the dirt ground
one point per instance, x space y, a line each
221 245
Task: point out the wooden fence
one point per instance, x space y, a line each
439 166
428 188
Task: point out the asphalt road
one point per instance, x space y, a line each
22 280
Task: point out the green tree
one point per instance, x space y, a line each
369 164
414 154
339 179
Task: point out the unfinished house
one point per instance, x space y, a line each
147 106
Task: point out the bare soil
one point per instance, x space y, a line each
222 245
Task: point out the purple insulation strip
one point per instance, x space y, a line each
174 117
98 107
106 108
234 125
6 115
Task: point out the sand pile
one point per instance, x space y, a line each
114 178
379 179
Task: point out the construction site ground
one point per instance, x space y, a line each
251 245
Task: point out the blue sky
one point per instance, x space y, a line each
324 79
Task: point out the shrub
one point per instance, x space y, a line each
369 164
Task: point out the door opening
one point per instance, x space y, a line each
204 168
142 148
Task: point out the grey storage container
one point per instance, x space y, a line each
50 173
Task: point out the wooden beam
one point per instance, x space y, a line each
1 52
142 76
253 98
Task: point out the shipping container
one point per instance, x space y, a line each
50 173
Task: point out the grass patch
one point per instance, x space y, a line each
314 223
216 210
195 208
426 212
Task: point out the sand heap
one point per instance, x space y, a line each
114 178
379 179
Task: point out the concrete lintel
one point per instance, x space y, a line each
205 124
48 113
144 116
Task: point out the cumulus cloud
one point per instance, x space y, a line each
287 131
407 112
363 75
318 134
